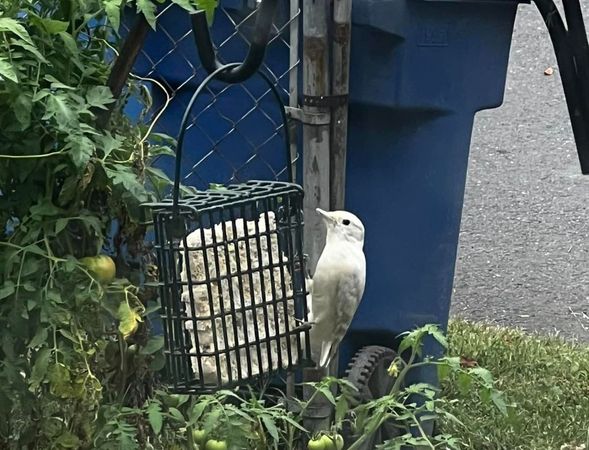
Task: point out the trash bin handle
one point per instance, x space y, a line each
257 49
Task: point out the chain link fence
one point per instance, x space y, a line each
235 132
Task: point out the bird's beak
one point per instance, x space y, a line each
326 215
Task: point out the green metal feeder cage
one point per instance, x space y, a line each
232 278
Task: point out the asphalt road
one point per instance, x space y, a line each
524 243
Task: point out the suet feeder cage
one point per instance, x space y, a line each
231 279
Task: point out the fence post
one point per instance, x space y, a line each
315 137
340 82
316 155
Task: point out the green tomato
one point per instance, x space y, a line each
328 443
199 436
339 441
213 444
102 267
316 444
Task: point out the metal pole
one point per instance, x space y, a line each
293 101
293 82
316 155
340 82
315 137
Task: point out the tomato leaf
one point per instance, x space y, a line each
128 319
154 414
154 344
7 71
148 9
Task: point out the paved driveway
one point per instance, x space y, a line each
524 250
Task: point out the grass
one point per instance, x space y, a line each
545 378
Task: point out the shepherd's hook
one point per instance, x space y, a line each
255 55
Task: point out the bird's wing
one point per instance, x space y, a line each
348 292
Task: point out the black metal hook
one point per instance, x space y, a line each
255 55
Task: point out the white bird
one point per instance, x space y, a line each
338 283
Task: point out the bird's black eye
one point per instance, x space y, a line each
346 222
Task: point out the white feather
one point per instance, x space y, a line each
338 283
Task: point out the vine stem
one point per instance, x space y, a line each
381 416
44 155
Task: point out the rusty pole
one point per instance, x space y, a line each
340 82
316 156
315 137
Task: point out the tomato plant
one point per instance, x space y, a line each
78 363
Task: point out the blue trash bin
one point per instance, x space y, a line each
420 71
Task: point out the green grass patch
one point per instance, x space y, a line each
545 378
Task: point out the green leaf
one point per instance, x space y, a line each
464 381
159 180
45 208
482 374
499 402
158 363
68 440
31 49
209 7
197 410
161 150
406 343
80 150
212 420
39 338
30 266
56 84
129 319
50 26
7 71
177 415
60 224
60 380
113 12
485 394
13 26
448 366
70 43
154 344
148 8
99 97
271 427
108 143
185 4
294 424
126 178
7 289
438 335
341 409
155 417
326 391
23 106
40 368
57 106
